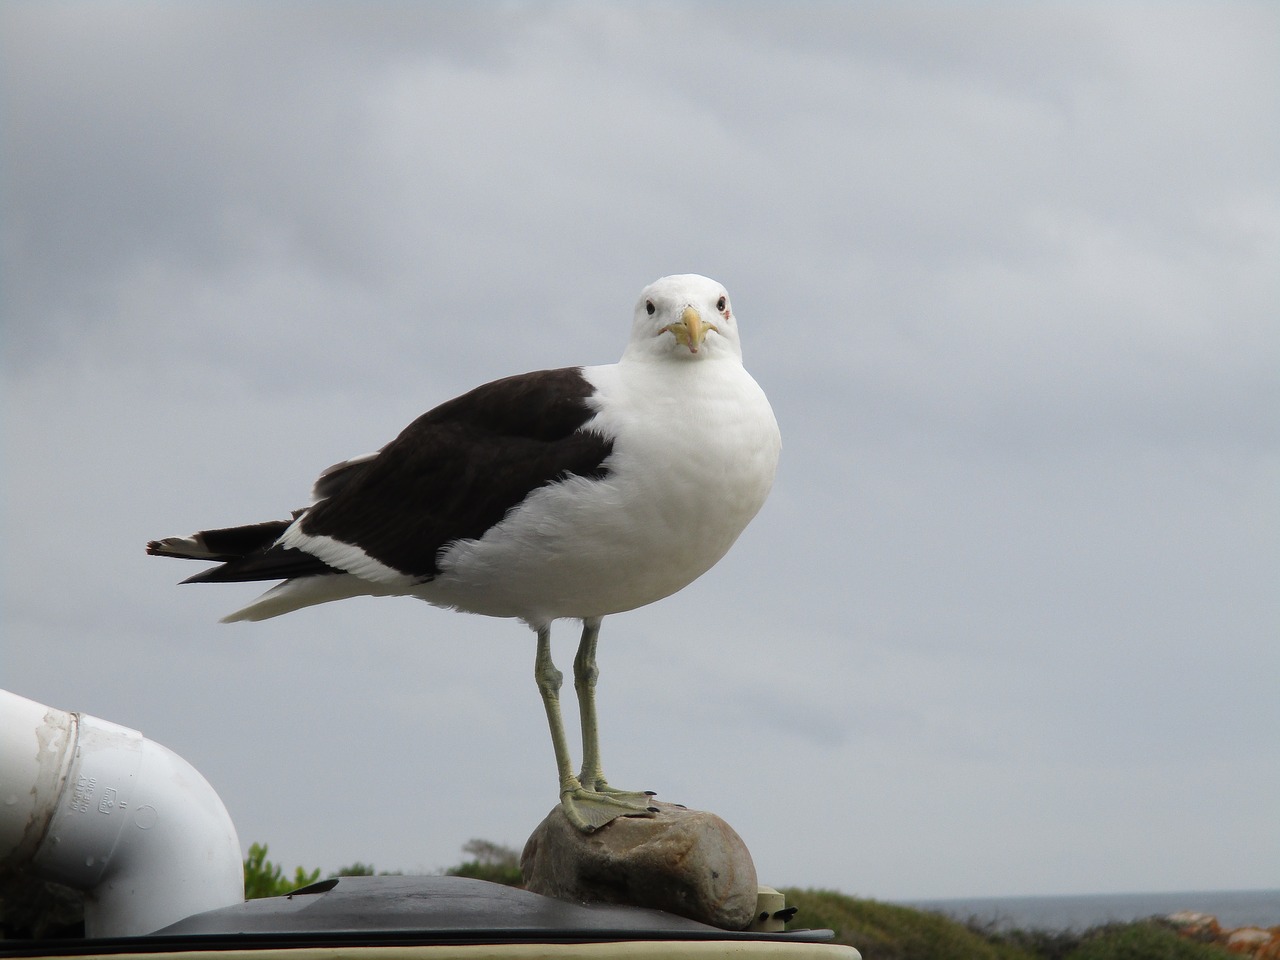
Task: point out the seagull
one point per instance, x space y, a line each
573 493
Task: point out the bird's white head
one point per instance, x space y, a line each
684 317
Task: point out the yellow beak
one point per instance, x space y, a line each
690 331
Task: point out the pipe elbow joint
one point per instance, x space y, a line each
105 810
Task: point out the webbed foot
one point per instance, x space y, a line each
590 809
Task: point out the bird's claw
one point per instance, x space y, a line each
591 809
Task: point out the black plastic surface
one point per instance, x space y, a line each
372 911
440 904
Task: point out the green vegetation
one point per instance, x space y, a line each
884 931
1137 941
489 861
262 878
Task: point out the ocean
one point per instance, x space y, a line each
1233 908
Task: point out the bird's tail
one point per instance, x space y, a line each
229 543
306 592
251 552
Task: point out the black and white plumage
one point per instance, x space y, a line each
572 493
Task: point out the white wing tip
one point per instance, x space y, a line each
186 548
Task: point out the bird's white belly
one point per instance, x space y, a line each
686 477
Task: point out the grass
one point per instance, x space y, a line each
884 931
1137 941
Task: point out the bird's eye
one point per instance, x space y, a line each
649 307
720 304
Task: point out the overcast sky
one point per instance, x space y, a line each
1008 273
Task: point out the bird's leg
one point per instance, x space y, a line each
585 674
549 680
587 808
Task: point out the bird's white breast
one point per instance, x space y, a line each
695 447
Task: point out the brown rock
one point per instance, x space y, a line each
1196 926
686 862
1252 942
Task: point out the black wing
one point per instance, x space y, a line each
450 475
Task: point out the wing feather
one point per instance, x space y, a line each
450 475
458 469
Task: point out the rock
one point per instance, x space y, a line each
686 862
1252 942
1196 926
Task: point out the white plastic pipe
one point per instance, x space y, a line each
101 808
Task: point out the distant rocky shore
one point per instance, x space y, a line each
1258 943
